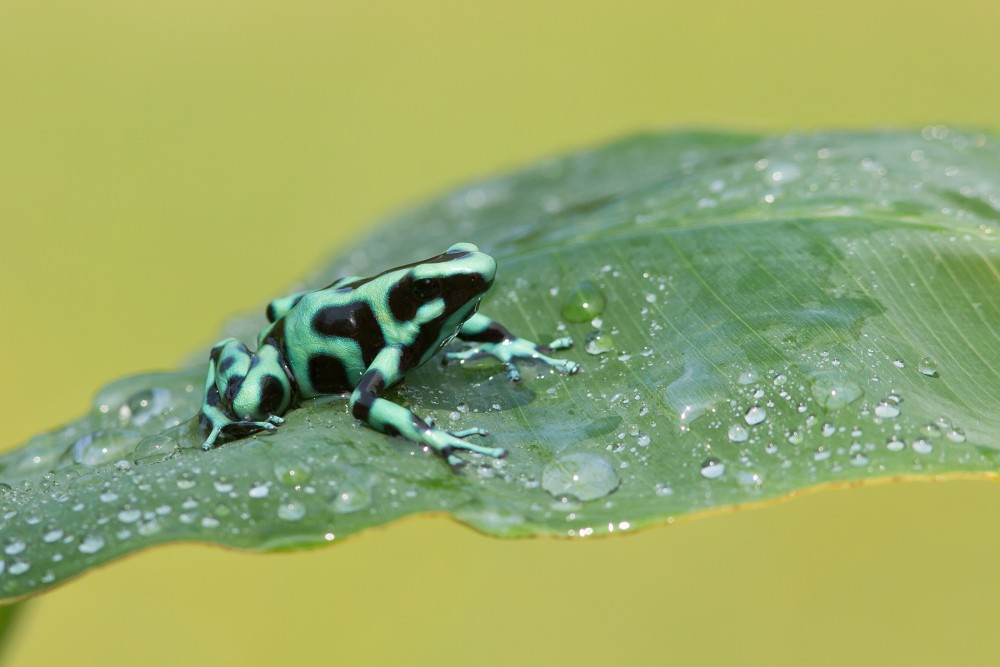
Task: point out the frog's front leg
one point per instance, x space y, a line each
388 417
243 390
495 340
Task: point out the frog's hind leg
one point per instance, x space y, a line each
388 417
242 391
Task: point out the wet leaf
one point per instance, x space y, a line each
755 316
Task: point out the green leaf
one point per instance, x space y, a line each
755 316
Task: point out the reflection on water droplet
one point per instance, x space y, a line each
598 342
887 410
835 390
154 449
291 510
579 475
922 446
738 433
755 415
828 429
821 454
91 544
351 500
185 481
956 435
102 447
779 380
584 303
712 468
928 367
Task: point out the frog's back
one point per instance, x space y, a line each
330 337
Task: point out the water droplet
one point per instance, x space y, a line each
14 546
895 444
351 500
102 447
779 380
223 485
898 363
129 515
584 303
859 459
154 449
821 454
52 534
145 406
828 430
928 367
259 490
738 433
835 390
955 435
598 343
292 472
19 567
91 544
922 446
291 510
754 415
580 475
712 468
643 440
887 410
212 522
782 172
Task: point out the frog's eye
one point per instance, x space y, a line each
427 288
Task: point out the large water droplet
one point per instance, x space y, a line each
584 303
91 544
755 415
154 449
14 546
102 447
580 475
738 433
922 446
145 406
712 468
598 342
928 367
834 390
292 472
887 410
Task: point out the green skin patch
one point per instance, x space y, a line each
363 335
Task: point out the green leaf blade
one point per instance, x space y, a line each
774 314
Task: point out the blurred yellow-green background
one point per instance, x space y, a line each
165 165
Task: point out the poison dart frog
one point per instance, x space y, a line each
363 335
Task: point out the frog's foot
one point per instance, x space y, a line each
270 425
447 443
517 348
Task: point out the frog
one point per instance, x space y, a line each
363 335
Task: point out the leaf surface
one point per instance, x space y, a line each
755 316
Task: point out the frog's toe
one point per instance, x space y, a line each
513 374
563 343
276 420
469 432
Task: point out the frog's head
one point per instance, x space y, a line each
440 293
